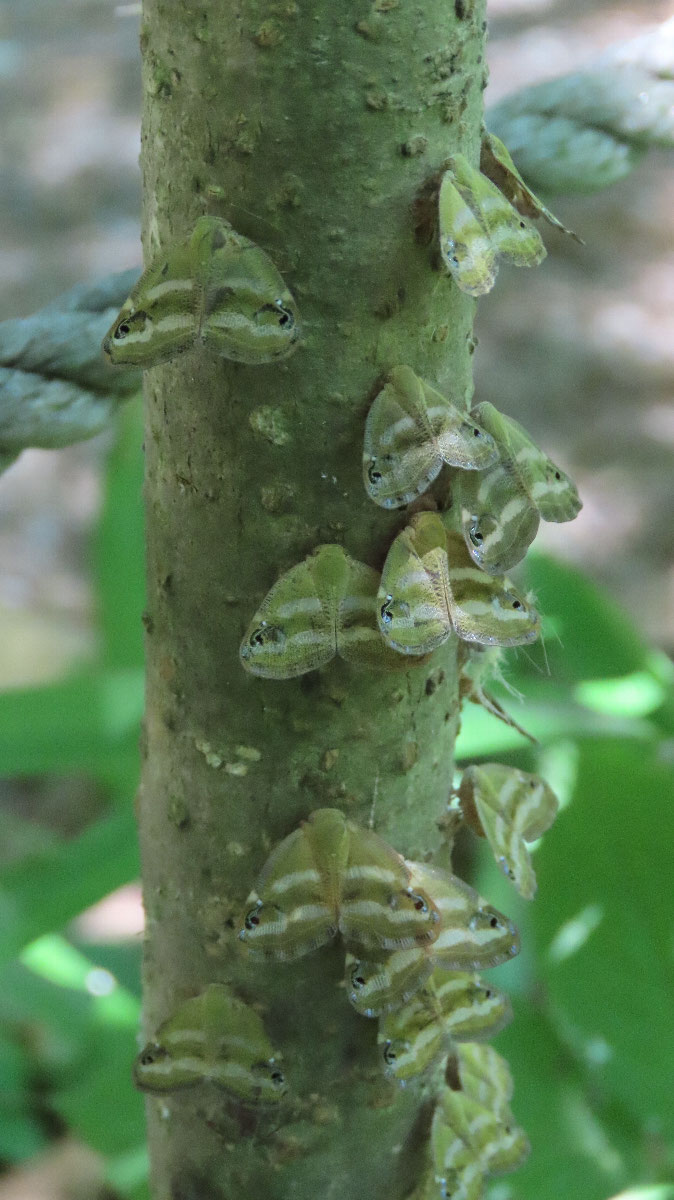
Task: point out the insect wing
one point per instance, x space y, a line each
359 641
486 608
510 235
469 1008
465 246
413 1038
508 807
485 1076
213 1037
496 1144
413 595
473 935
379 909
377 986
288 914
499 517
160 318
294 629
458 1172
497 165
400 455
247 312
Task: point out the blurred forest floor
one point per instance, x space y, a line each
583 354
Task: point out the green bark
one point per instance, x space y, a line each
311 126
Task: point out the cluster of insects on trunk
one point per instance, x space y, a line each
415 937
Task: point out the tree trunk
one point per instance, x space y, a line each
311 126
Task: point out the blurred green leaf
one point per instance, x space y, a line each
44 891
603 926
595 639
89 722
120 547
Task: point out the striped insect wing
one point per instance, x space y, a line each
510 234
466 248
377 986
413 598
410 431
496 1143
485 608
379 910
500 515
358 639
248 313
497 164
469 1008
294 629
509 807
459 1174
412 1038
473 934
213 1037
160 319
484 1075
289 913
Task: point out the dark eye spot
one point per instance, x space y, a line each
419 902
493 923
475 536
278 1078
122 330
386 614
517 604
147 1058
390 1055
373 474
252 919
477 433
357 979
558 475
487 994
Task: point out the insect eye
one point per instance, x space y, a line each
278 1078
475 536
517 604
386 614
147 1058
280 314
252 918
357 978
286 318
265 634
488 994
122 330
477 433
419 902
493 922
373 474
390 1055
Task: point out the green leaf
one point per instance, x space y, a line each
603 925
89 723
120 548
44 891
594 638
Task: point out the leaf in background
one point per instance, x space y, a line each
89 722
584 131
594 637
604 932
45 891
55 386
575 1152
120 546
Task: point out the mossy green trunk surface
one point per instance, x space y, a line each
310 126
